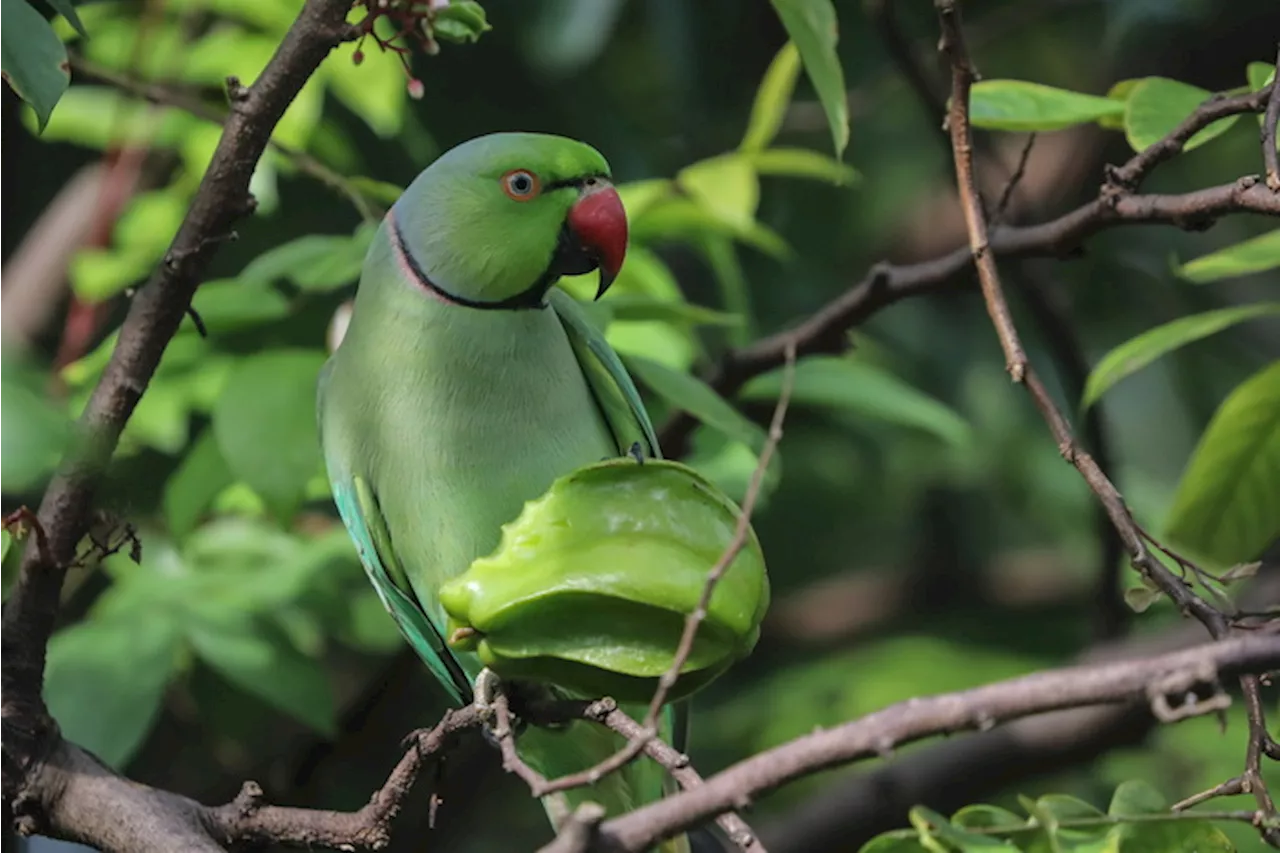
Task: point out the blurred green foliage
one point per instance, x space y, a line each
247 643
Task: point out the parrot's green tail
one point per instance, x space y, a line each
578 746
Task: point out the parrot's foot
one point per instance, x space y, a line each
486 688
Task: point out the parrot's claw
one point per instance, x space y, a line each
486 688
635 451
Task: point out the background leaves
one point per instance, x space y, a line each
923 533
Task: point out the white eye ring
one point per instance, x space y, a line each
520 185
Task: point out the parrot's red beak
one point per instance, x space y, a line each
600 224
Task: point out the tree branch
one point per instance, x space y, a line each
1269 121
962 75
40 797
979 708
885 283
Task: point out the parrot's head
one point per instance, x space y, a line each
495 221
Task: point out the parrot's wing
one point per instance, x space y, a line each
624 411
610 383
358 507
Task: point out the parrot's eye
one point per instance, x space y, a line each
520 185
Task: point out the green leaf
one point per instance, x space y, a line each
772 97
1181 836
982 816
735 291
803 163
196 482
725 185
67 9
689 393
641 307
1259 74
683 219
261 660
151 220
869 391
33 59
1119 92
317 262
1135 798
1157 105
812 25
230 305
34 432
1227 505
957 837
639 196
1026 106
1254 255
380 191
1138 352
105 680
265 424
1064 807
896 841
98 274
161 419
462 22
100 117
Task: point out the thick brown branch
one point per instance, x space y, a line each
979 708
962 74
98 807
885 284
31 739
1270 158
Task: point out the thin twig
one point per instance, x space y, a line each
962 75
636 745
1130 176
825 330
505 734
962 145
1019 172
677 764
740 534
1229 788
247 819
1269 120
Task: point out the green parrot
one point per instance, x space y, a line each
467 382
